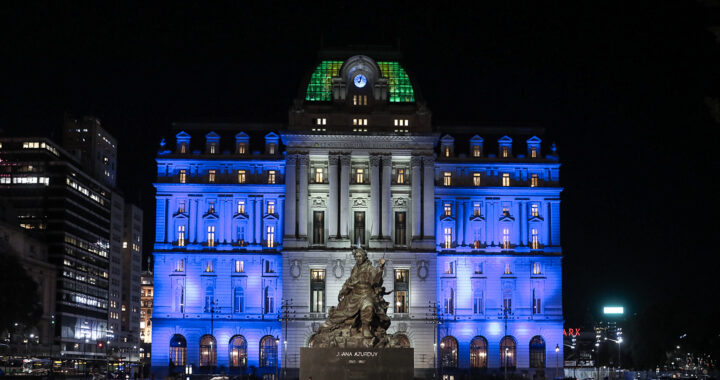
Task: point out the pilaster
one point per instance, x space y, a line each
290 195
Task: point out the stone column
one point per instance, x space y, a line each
460 220
523 224
258 220
290 195
344 196
192 219
415 195
546 224
385 196
332 196
169 233
250 210
280 229
428 196
302 218
221 216
374 197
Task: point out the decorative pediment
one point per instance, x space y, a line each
212 137
272 136
447 219
184 136
447 139
536 219
477 218
181 215
270 217
505 140
534 140
477 139
242 136
211 216
241 217
507 218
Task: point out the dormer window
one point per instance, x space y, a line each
446 151
505 152
360 100
476 150
271 148
183 148
213 148
212 143
242 148
533 152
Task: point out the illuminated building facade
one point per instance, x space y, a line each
254 229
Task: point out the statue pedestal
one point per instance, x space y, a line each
356 363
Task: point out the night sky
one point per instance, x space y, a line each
621 88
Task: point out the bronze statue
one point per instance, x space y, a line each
360 319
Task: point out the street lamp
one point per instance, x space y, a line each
557 360
507 352
277 368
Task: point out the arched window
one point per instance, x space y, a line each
402 340
238 300
269 300
178 350
208 351
238 352
508 352
449 352
537 352
268 351
478 352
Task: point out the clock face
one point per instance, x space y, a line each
360 81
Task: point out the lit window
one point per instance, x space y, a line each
271 176
537 304
446 152
211 176
506 238
211 236
181 206
449 267
508 269
211 207
477 302
213 148
447 207
506 179
401 176
181 236
533 152
536 268
506 211
271 207
505 152
402 277
183 147
317 290
239 266
533 180
270 236
241 148
271 148
534 240
476 179
359 100
401 122
534 210
209 266
360 122
319 175
447 178
183 176
477 209
359 175
321 121
476 150
241 176
447 243
179 265
241 207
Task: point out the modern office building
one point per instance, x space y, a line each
68 200
146 306
255 225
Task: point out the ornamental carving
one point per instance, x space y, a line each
318 202
338 269
400 202
303 159
423 271
359 202
290 159
415 160
332 160
295 269
386 160
345 160
427 160
374 160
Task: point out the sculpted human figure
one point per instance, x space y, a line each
360 318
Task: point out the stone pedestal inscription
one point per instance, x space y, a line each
356 363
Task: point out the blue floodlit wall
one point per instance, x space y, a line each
495 242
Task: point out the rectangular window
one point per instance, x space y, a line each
506 179
213 148
181 236
211 236
400 176
533 180
508 269
241 207
359 175
476 151
537 269
211 207
271 207
241 176
446 151
241 235
270 236
319 175
239 266
476 179
209 266
400 228
449 267
505 152
402 277
533 152
447 243
209 300
319 227
477 237
478 302
479 268
506 238
269 266
179 265
321 121
183 147
181 206
271 148
401 122
241 148
447 179
534 240
477 209
317 290
183 176
211 176
507 303
271 176
506 211
360 122
537 306
359 227
447 209
534 210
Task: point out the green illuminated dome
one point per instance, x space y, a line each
399 88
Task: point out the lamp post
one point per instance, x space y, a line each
507 350
557 360
442 365
433 316
277 368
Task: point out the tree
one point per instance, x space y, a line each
18 294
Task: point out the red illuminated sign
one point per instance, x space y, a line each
571 332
